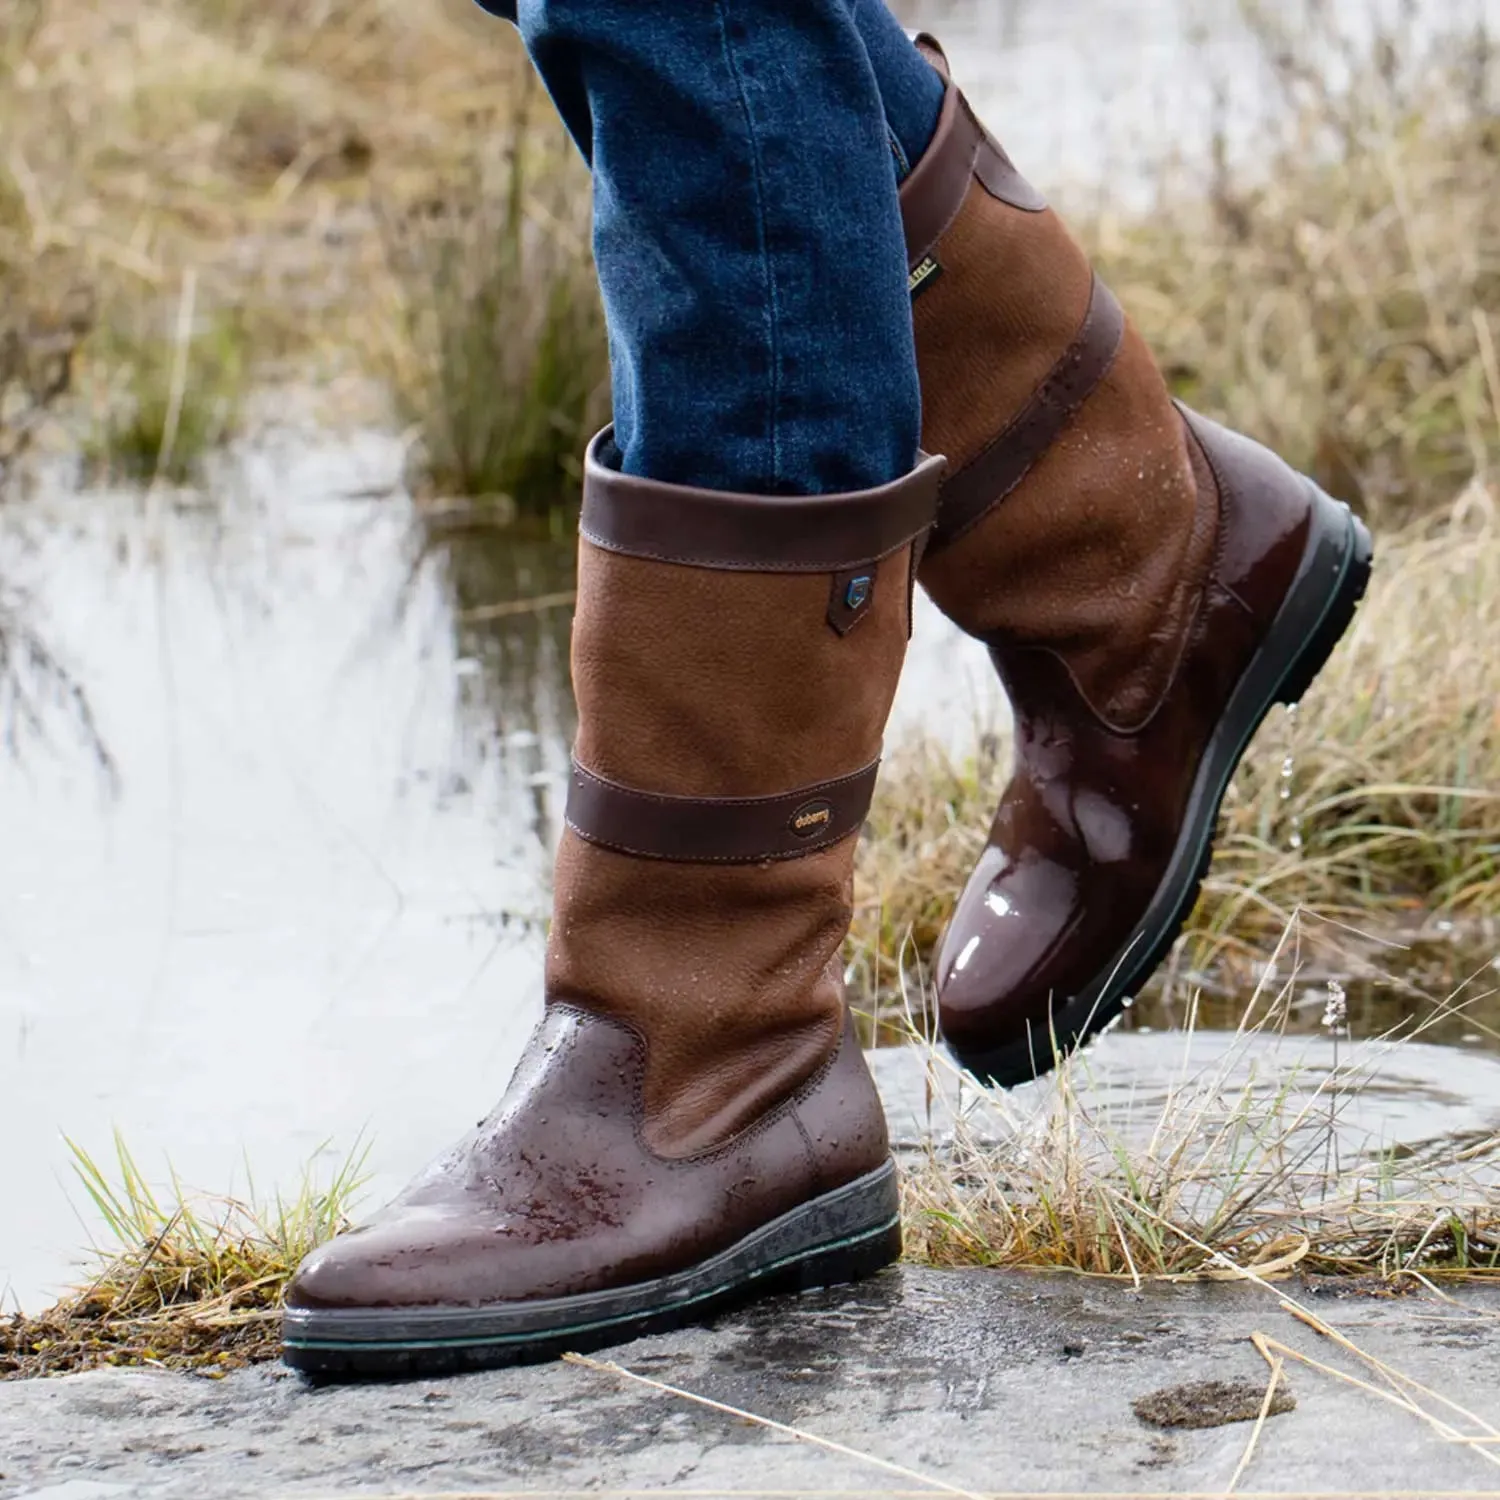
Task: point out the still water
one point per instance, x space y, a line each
306 904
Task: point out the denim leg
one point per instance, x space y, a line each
747 236
910 89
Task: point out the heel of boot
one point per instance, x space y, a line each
1341 601
850 1233
842 1264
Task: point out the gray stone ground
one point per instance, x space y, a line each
983 1381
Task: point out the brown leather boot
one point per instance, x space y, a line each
693 1121
1148 584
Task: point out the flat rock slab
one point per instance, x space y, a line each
980 1382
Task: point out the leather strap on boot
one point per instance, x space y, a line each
961 150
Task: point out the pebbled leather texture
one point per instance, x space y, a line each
557 1193
1087 825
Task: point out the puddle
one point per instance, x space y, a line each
1411 1100
312 907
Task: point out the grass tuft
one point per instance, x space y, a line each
190 1283
1340 300
500 362
169 403
1244 1163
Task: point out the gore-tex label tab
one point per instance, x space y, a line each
923 275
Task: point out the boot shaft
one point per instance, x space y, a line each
734 659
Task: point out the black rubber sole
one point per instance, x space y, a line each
839 1237
1318 609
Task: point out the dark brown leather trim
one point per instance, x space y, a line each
960 150
987 479
999 175
752 533
718 830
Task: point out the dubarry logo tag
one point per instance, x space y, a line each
812 818
922 275
849 598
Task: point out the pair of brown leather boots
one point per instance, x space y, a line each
693 1121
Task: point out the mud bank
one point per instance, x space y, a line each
976 1381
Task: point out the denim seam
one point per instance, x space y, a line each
903 166
773 308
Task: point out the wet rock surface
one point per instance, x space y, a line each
983 1381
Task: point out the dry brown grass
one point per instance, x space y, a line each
1340 300
1378 801
240 148
1242 1163
495 354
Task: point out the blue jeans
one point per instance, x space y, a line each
747 232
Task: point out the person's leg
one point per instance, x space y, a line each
747 238
694 1120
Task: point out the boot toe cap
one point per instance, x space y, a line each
1002 954
414 1260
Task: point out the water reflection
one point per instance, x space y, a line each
511 611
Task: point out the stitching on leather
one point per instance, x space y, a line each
732 565
667 799
774 857
1221 484
962 112
1225 493
1195 632
969 179
775 1114
640 1050
1002 158
814 1169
